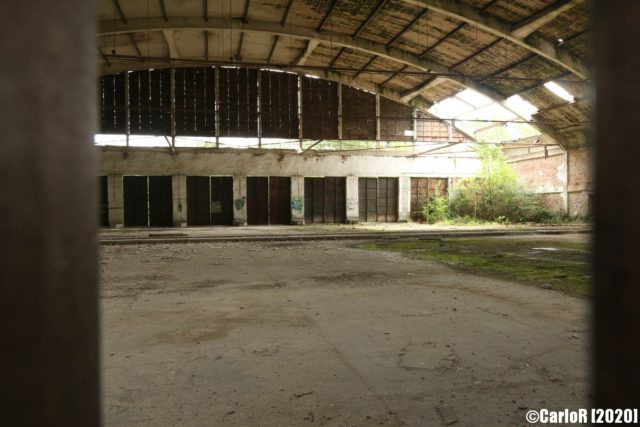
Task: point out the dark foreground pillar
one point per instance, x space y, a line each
48 214
617 239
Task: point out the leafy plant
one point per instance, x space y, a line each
437 208
493 194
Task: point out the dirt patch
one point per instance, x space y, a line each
247 334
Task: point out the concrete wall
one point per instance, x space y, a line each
115 162
563 177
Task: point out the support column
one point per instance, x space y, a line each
404 198
297 200
48 215
340 114
115 193
353 212
239 200
565 184
179 188
616 344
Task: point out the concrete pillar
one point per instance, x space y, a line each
48 214
239 200
115 194
565 181
297 200
353 213
404 198
179 189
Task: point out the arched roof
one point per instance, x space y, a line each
418 52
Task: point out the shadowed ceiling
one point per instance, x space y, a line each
417 52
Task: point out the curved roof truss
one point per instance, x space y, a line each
138 25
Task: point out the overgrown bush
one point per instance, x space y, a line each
494 194
437 208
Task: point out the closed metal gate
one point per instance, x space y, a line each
198 200
257 200
324 200
221 200
136 201
148 201
210 200
378 199
268 200
104 201
423 190
160 201
387 199
279 200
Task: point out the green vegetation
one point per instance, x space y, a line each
493 195
508 258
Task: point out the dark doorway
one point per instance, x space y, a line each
198 198
324 200
160 201
210 200
222 200
280 200
257 200
104 201
136 200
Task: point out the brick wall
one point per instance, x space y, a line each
544 172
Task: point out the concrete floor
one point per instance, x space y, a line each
319 333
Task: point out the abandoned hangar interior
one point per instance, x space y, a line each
291 112
345 116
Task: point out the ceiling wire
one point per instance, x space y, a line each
230 33
115 23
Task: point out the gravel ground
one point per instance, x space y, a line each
320 333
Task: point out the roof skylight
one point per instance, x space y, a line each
522 107
559 91
474 98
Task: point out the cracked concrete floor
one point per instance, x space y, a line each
319 333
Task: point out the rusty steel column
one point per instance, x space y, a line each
617 211
48 214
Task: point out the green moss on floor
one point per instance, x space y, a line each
524 260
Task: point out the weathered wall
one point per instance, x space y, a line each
116 162
565 180
148 161
580 185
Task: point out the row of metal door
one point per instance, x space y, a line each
148 201
209 200
378 199
268 200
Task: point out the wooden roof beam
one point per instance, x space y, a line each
274 28
531 24
463 12
372 15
